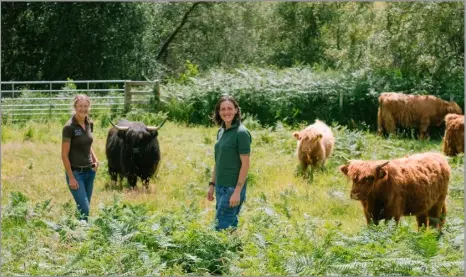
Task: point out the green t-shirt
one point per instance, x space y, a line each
230 145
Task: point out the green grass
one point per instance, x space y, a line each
288 226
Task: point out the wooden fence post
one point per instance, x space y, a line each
127 107
12 114
50 101
157 88
157 96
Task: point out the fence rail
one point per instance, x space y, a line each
26 100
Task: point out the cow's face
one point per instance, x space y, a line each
308 141
364 175
137 138
454 108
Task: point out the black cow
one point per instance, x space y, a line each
132 151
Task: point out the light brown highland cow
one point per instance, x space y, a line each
315 144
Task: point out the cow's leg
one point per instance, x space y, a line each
458 147
423 128
132 180
367 214
368 217
397 219
371 219
456 150
379 123
443 214
378 217
437 215
387 218
446 147
422 219
311 174
145 183
395 211
322 165
303 166
113 177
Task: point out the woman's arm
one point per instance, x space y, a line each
210 193
94 157
65 151
243 173
95 161
213 175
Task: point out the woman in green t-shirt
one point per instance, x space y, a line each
232 151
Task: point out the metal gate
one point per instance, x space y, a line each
28 100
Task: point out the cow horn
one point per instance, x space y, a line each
381 165
120 128
152 128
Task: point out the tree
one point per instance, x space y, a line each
49 41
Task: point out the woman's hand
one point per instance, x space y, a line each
210 193
74 185
95 166
234 199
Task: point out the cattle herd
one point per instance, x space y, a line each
388 189
412 185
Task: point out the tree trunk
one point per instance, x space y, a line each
164 47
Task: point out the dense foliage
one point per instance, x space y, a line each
291 95
413 42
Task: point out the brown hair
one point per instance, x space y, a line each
216 117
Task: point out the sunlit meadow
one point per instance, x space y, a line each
288 226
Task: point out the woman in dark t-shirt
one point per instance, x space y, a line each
232 150
78 157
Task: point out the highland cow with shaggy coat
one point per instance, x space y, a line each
315 144
412 111
415 185
453 141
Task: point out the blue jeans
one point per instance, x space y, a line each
225 216
82 196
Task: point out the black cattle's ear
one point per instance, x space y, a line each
154 133
344 169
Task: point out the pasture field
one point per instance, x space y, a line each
288 225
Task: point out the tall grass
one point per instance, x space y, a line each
288 226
